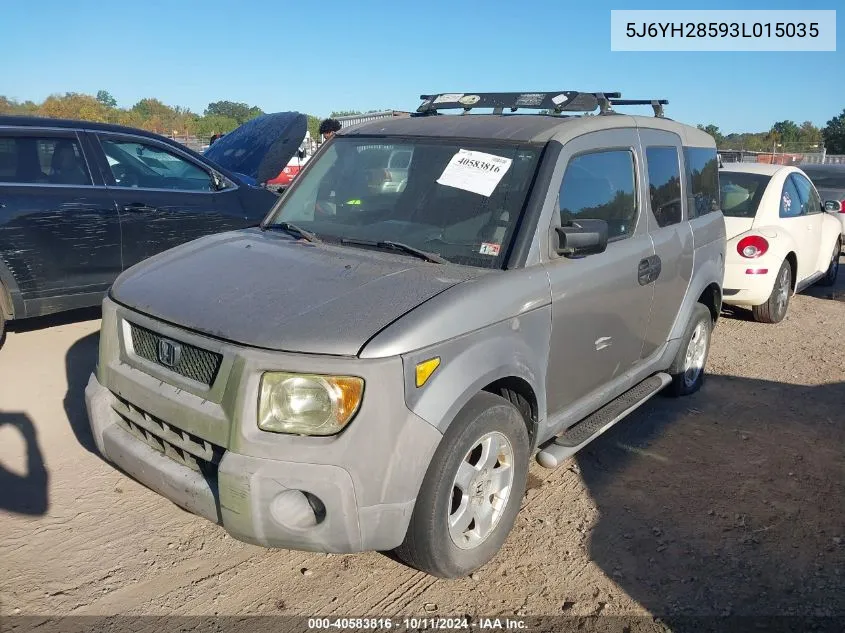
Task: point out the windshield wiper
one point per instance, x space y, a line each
397 246
293 229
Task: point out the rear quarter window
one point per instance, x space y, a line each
31 159
702 172
664 184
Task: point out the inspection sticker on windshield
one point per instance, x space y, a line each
488 248
473 171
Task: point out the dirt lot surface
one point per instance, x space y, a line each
727 502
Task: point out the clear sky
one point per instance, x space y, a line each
327 55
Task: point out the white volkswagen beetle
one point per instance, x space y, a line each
780 240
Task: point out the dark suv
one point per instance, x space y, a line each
80 202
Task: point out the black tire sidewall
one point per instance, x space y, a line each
484 413
679 387
833 268
773 299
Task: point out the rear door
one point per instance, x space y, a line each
165 197
669 229
59 229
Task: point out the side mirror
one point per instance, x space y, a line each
834 206
581 237
217 182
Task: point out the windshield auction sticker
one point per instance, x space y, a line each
473 171
723 30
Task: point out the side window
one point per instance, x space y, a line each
136 164
790 203
8 159
702 167
601 186
810 202
46 160
664 184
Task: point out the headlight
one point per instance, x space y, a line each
307 404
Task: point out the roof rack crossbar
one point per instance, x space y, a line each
656 104
556 102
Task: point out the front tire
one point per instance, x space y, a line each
472 490
833 269
687 370
774 310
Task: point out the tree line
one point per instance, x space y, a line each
149 114
224 116
785 137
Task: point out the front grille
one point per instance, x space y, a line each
183 447
195 363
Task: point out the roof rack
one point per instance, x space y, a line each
556 102
656 104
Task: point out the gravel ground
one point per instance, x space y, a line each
726 502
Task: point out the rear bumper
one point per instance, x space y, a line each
744 288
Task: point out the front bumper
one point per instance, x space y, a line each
348 493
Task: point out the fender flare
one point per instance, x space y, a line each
11 301
711 272
781 244
502 354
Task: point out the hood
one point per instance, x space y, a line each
737 226
265 289
260 148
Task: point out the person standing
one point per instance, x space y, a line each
328 128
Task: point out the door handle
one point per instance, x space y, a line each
656 268
644 272
649 270
137 207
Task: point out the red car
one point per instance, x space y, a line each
291 170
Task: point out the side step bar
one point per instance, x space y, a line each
588 429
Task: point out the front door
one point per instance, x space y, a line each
165 198
59 230
799 224
811 212
600 303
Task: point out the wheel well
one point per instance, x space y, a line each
712 299
6 306
522 396
793 264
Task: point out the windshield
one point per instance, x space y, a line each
741 193
826 177
460 201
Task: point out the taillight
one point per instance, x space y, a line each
387 177
842 207
752 246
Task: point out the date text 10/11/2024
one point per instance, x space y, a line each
416 624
